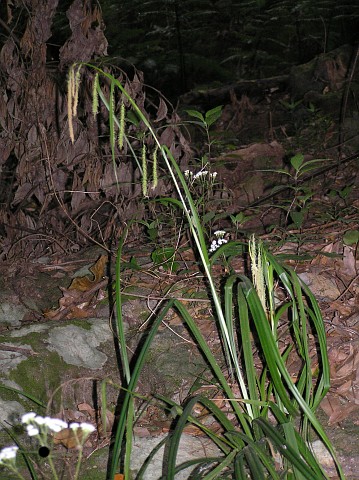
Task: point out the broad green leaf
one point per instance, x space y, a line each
297 161
196 114
132 118
164 256
351 237
298 218
213 115
169 200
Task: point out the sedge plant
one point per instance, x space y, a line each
266 430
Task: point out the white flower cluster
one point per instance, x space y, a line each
85 427
202 174
8 454
37 424
220 240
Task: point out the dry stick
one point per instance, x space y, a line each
347 288
150 297
22 350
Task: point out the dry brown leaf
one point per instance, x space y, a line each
324 260
80 299
68 438
86 283
336 410
341 413
345 389
85 407
193 430
341 308
162 111
109 421
349 265
329 404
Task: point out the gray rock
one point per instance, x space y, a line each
10 412
190 448
10 359
11 312
77 346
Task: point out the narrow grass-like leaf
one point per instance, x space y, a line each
121 424
175 438
221 442
247 348
259 447
268 344
129 438
239 470
215 367
287 451
201 464
254 464
104 405
149 459
118 299
23 394
221 467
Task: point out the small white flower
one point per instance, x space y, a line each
32 431
213 246
86 430
55 424
218 242
8 453
186 173
40 420
87 427
27 417
74 426
200 174
214 174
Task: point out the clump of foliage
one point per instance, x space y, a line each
265 438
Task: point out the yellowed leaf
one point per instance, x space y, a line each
68 438
86 283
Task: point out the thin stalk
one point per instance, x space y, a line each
78 465
15 471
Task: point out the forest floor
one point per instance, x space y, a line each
323 253
309 218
